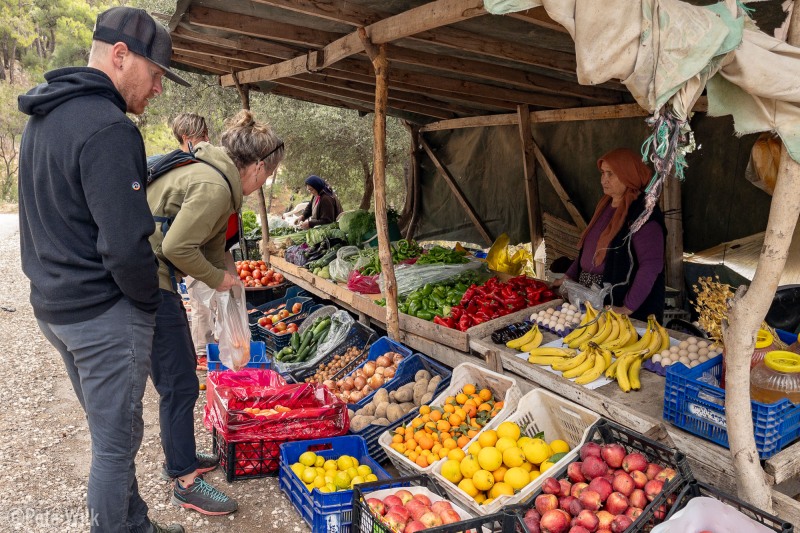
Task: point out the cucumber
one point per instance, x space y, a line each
295 340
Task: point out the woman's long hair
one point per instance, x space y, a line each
627 165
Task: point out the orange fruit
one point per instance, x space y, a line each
425 409
461 399
397 438
422 461
443 425
454 420
500 473
462 441
485 395
436 416
450 399
450 444
449 408
426 443
468 389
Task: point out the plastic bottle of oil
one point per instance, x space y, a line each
764 343
776 377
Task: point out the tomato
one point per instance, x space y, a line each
256 274
262 321
278 277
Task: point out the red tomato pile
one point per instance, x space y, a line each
256 274
272 319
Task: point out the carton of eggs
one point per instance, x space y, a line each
691 352
559 320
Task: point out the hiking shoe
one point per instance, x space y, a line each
203 498
172 528
206 463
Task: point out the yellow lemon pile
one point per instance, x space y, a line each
332 474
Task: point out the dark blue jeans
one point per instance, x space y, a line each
108 359
174 364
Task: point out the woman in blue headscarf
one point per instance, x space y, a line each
324 206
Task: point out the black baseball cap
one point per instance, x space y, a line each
143 35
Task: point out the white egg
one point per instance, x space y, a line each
666 362
550 310
702 351
574 308
702 344
712 354
692 348
674 357
665 353
702 359
685 360
561 321
560 328
694 364
692 340
674 349
683 353
657 358
693 356
683 345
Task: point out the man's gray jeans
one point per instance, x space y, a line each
108 361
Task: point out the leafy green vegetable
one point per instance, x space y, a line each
249 223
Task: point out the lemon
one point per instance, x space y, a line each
309 474
330 464
327 489
487 501
297 468
480 497
363 470
499 474
370 477
490 459
487 438
342 480
469 466
508 430
356 481
344 462
483 480
522 441
559 446
309 487
320 471
308 459
329 477
513 457
537 451
319 482
469 487
501 489
474 448
451 471
517 478
456 454
544 466
319 461
330 486
354 460
534 474
352 472
504 443
526 466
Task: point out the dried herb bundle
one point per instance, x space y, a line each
712 305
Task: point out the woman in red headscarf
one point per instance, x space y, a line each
634 266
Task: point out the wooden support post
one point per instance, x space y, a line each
551 176
674 249
531 182
413 192
381 65
459 194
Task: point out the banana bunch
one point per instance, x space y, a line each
629 358
550 355
531 340
586 365
586 330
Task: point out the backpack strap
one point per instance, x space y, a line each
166 222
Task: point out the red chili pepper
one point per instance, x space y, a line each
464 322
446 322
456 311
547 294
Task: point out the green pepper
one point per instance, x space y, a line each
424 315
414 307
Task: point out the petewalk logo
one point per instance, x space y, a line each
55 519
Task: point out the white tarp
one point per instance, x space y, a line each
668 51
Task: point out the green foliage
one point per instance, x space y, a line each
158 138
12 122
249 222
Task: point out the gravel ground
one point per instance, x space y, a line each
45 450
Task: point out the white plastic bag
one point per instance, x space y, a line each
231 326
577 293
704 513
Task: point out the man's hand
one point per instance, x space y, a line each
304 224
228 281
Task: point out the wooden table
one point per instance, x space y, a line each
640 410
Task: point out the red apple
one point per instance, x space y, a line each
545 502
575 507
414 526
593 467
577 488
555 521
666 475
602 487
660 513
450 516
652 470
566 487
590 448
639 479
633 513
400 511
551 486
623 482
638 499
430 519
404 495
613 454
417 509
395 521
565 501
441 506
590 500
392 501
634 461
617 503
605 518
586 519
533 513
424 499
578 529
574 472
376 506
531 524
653 488
621 523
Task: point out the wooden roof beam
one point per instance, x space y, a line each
202 64
222 62
423 18
182 45
538 16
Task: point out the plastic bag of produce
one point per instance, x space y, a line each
232 328
412 277
357 282
341 267
341 323
500 261
577 293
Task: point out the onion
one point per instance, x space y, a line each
379 371
368 369
383 361
389 373
375 382
348 384
328 384
359 382
397 357
355 396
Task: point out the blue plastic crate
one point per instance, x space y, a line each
378 348
416 362
258 357
291 292
786 336
275 342
331 512
699 408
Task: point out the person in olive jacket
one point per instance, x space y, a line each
191 205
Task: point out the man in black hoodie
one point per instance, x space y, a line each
84 228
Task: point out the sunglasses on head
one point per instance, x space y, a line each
280 145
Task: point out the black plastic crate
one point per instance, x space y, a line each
247 460
604 432
697 488
358 336
365 522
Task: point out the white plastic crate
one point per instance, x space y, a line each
501 386
538 411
